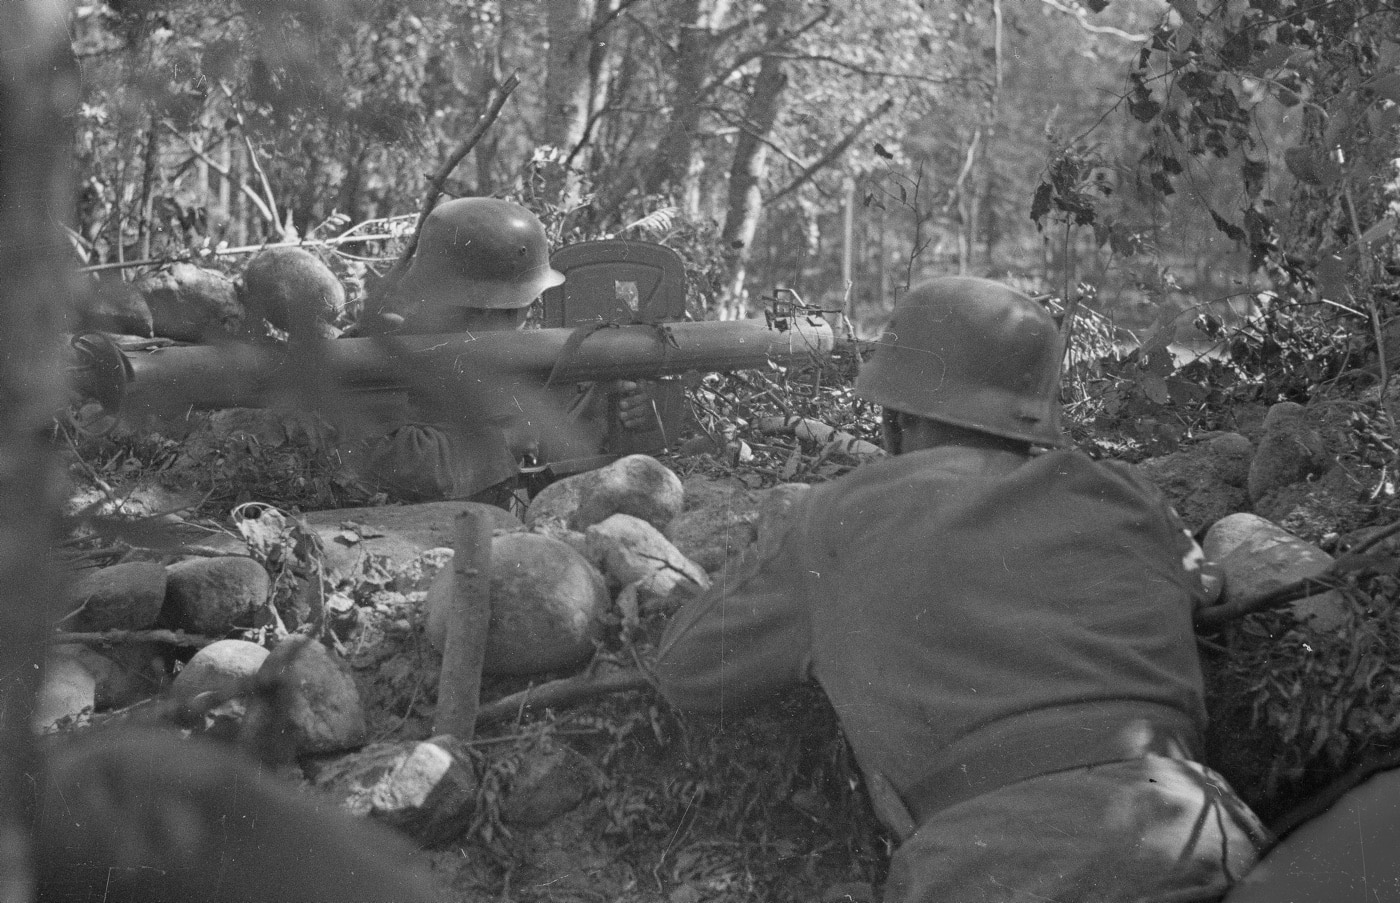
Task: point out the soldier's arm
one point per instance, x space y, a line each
745 639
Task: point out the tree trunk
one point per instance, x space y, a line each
485 79
568 89
694 51
751 160
38 93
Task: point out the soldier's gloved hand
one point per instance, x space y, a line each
635 407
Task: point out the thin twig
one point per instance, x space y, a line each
345 239
1215 615
834 151
562 692
436 182
115 637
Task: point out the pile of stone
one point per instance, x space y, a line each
599 552
287 288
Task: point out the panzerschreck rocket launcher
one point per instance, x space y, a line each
491 364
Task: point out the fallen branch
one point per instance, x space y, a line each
352 236
468 623
1322 582
116 637
563 692
500 94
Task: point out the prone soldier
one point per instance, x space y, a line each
1003 626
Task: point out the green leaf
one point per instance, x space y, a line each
1097 6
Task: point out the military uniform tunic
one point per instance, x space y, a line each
990 628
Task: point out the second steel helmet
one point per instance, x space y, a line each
481 253
973 353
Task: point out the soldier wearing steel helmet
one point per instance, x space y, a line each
479 266
1003 626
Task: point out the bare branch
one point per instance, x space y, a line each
243 187
499 95
835 150
876 73
1082 18
768 48
562 692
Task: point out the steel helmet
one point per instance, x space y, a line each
481 253
973 353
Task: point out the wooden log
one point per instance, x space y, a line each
468 625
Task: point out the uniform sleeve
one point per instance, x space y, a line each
745 639
1202 579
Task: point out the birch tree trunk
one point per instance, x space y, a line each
568 89
750 163
38 94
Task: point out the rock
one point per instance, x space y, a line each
1230 455
68 690
215 595
113 305
189 303
1336 502
322 704
632 551
291 285
425 789
219 668
722 518
719 520
125 673
638 485
1204 482
551 780
545 604
1258 557
1290 450
121 597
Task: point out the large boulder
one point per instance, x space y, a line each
113 305
722 518
189 303
719 520
546 600
425 789
1258 557
287 286
1206 481
1290 450
638 485
215 595
321 705
121 597
632 551
222 667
